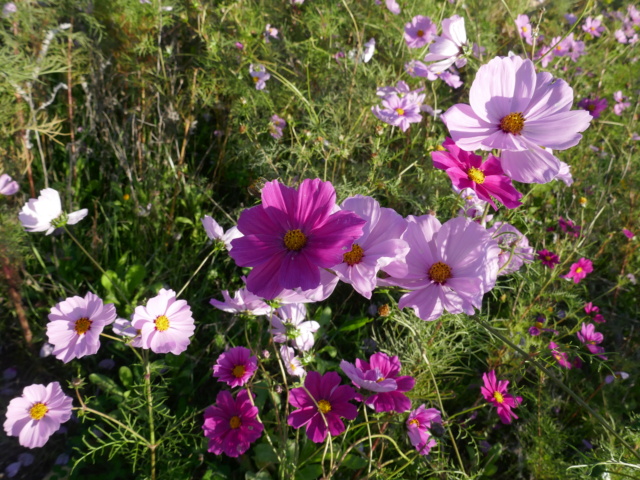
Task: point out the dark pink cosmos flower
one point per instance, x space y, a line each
292 236
321 404
232 425
467 170
567 226
590 338
595 106
419 31
381 375
495 392
561 357
590 308
628 233
235 366
418 425
599 318
580 269
548 259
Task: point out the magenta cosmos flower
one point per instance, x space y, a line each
495 392
561 357
8 186
579 270
322 396
165 323
418 425
232 425
467 170
595 106
450 266
419 31
45 214
37 414
379 245
518 111
235 366
590 338
75 325
292 235
548 259
381 376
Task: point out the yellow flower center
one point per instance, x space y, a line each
238 371
235 422
512 123
255 79
547 258
294 240
420 33
525 29
439 272
82 326
579 270
476 175
292 366
381 379
539 324
324 406
400 111
354 256
162 323
414 422
38 411
498 397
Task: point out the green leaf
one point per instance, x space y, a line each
126 377
264 454
106 384
134 277
184 220
355 324
257 476
310 472
354 462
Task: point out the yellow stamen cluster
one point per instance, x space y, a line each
235 422
324 406
295 240
162 323
512 123
476 175
38 411
400 111
498 397
439 272
354 256
82 325
238 371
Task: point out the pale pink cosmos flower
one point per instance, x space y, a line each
392 6
270 32
37 414
235 367
259 75
289 322
379 245
579 270
590 338
45 214
291 362
494 391
447 49
243 301
123 327
369 50
524 28
165 323
216 232
593 26
621 103
450 266
515 250
400 111
419 31
516 110
75 325
8 186
418 424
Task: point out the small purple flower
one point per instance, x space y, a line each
538 327
514 247
593 26
270 32
616 376
621 103
235 367
8 186
369 50
594 106
289 322
8 9
239 45
419 31
276 125
590 338
447 49
628 233
418 424
570 18
259 75
215 231
243 301
400 111
567 226
291 362
524 28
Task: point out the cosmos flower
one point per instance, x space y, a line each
524 28
215 231
37 414
232 425
447 49
289 322
418 424
621 103
8 186
400 111
579 270
291 236
243 301
45 214
567 226
270 32
495 392
291 361
276 125
322 404
593 26
616 376
590 338
548 259
259 75
75 325
369 50
235 367
419 31
561 357
595 106
514 247
165 323
628 233
538 327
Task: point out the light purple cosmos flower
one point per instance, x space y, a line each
467 170
593 26
379 245
235 367
561 357
369 50
291 361
37 414
447 49
292 235
259 75
451 266
215 231
595 106
381 374
323 396
289 322
514 247
239 45
418 424
579 270
400 111
590 338
419 31
75 325
617 375
270 32
243 301
232 425
494 391
8 186
165 323
524 28
8 9
473 206
621 103
45 214
392 6
570 18
516 110
276 125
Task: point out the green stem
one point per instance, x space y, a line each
196 272
147 384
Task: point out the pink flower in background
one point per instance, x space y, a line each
165 323
514 247
516 110
400 111
291 236
270 32
289 322
450 266
524 28
447 49
621 103
215 231
392 6
232 425
538 327
593 26
628 233
37 414
495 392
243 301
418 424
590 338
8 186
321 405
419 31
548 259
590 308
594 106
561 357
259 75
291 361
276 125
45 214
467 170
75 326
579 270
567 226
235 367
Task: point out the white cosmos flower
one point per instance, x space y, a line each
45 214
